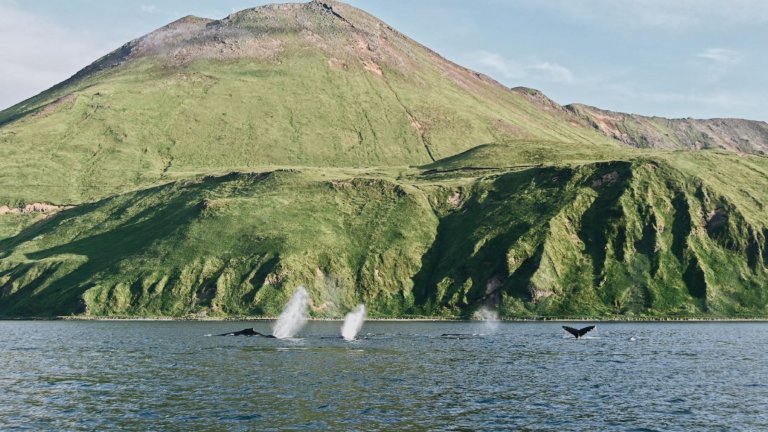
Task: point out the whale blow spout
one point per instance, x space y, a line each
294 316
489 316
353 322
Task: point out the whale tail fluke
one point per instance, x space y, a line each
578 333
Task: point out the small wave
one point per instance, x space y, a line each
460 335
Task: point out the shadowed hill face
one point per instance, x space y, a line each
602 239
314 84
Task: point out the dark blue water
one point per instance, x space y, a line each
403 376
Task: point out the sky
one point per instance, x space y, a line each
671 58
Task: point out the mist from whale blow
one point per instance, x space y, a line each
353 322
294 316
489 316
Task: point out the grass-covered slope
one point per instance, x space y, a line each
224 245
622 238
210 167
606 239
317 84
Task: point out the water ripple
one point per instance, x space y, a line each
399 376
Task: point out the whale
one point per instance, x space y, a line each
578 333
246 332
459 335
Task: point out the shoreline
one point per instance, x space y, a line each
420 319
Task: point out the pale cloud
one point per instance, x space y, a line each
666 14
704 101
721 56
37 53
514 70
553 71
717 99
148 8
721 62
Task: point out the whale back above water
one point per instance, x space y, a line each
246 332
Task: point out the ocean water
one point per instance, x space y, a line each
173 376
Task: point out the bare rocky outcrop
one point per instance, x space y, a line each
346 34
738 135
537 97
746 136
41 208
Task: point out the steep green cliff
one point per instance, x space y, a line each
620 238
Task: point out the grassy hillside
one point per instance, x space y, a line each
622 238
232 244
210 167
300 87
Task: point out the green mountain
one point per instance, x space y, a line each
315 84
210 167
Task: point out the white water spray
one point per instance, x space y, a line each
294 315
353 322
489 316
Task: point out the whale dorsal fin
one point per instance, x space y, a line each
243 332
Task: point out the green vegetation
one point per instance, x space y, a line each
279 147
622 238
146 122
